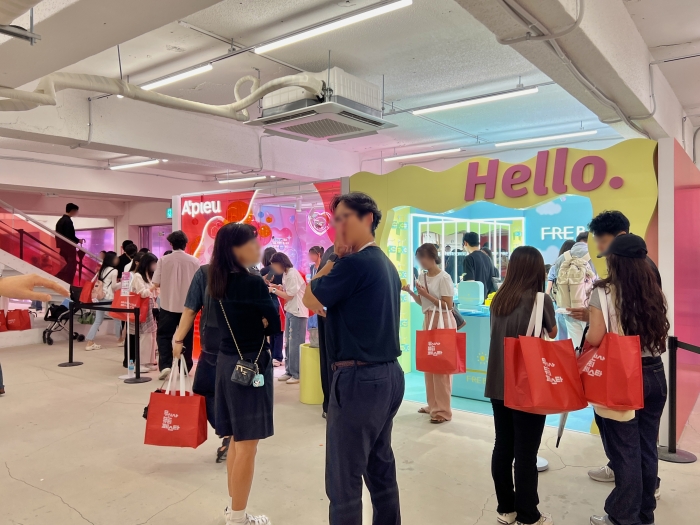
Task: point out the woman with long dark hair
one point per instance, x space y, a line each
276 340
246 316
315 256
518 434
107 277
636 306
142 286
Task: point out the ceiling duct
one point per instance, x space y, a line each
350 108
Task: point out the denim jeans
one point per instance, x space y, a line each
294 337
518 437
99 317
561 327
631 449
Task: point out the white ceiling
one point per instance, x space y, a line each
433 51
671 28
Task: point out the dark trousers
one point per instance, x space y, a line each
363 403
631 449
167 324
68 252
276 345
204 382
518 437
326 372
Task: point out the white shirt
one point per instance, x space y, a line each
109 278
174 273
294 285
439 286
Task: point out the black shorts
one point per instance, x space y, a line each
244 412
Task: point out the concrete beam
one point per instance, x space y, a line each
135 128
607 48
86 28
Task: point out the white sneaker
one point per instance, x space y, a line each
292 381
657 493
603 474
145 370
93 346
284 377
152 368
545 519
249 520
507 518
164 374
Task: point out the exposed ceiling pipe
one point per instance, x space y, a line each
45 93
11 10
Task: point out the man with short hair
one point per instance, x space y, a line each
173 275
65 228
124 258
477 265
361 290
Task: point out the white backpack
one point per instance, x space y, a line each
98 291
574 281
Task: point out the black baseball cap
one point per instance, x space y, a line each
627 245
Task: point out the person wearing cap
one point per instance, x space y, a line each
638 307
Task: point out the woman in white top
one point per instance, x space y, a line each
141 285
292 291
434 286
106 277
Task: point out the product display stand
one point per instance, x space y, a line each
70 362
670 453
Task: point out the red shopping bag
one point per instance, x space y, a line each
541 377
176 418
441 350
130 301
612 373
86 292
18 320
3 321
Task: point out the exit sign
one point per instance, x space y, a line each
169 213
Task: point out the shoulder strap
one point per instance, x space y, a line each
567 255
534 328
586 257
604 307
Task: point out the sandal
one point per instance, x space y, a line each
438 420
424 410
222 451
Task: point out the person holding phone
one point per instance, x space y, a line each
272 278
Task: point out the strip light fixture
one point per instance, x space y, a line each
332 25
244 179
478 100
134 164
426 154
180 76
550 137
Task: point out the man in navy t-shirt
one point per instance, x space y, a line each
361 290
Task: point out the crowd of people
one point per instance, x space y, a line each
353 292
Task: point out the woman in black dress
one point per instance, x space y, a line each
246 316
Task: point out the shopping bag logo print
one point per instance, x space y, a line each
548 373
168 421
433 348
590 366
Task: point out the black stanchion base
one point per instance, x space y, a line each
74 363
142 379
680 456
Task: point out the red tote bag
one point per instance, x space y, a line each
3 321
441 350
612 373
541 377
86 292
130 301
176 418
18 320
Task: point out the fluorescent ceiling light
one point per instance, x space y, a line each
244 179
478 100
134 164
325 28
550 137
426 154
169 80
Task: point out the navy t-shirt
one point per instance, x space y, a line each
362 294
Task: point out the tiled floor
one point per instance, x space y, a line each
71 452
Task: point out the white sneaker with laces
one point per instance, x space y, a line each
507 518
93 346
545 519
164 374
603 474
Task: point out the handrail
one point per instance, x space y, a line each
25 232
46 228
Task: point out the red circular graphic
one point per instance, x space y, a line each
264 231
195 222
269 219
214 227
235 212
616 183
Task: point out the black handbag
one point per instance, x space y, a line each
459 320
245 373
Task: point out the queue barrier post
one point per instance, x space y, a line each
672 454
70 362
72 307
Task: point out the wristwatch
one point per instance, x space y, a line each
333 257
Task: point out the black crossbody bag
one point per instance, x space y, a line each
245 372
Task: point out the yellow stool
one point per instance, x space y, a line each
310 391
